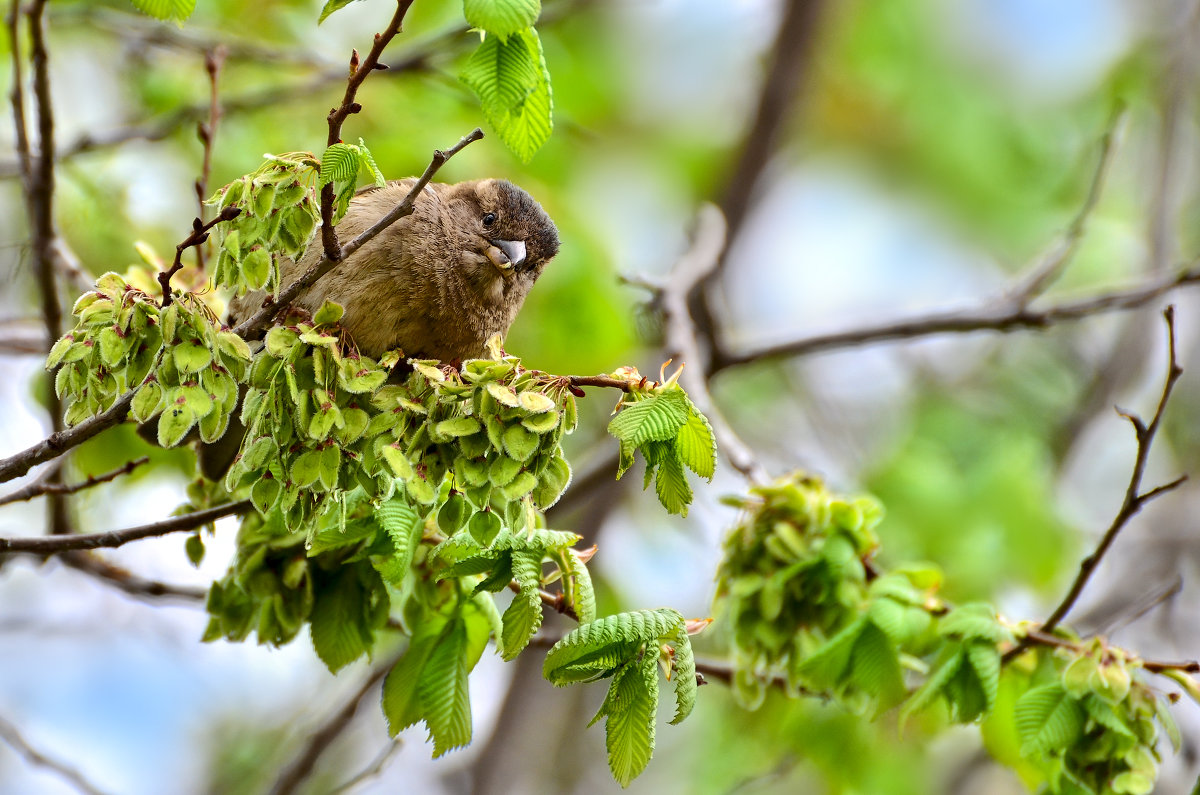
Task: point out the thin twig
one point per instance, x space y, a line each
1055 259
59 442
207 132
337 116
988 317
200 230
1135 499
702 256
300 768
372 770
404 208
128 582
1043 638
40 487
10 735
115 538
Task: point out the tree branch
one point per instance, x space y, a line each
59 442
690 270
116 538
993 317
309 277
1135 499
199 234
207 132
300 768
44 486
337 116
126 581
10 735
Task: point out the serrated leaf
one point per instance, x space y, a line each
975 621
442 688
1047 719
167 10
671 485
696 445
513 85
368 162
402 523
629 730
656 418
951 661
985 660
401 703
520 621
329 7
339 635
502 17
339 163
684 676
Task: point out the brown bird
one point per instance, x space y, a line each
438 283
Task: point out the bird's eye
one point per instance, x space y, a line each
489 219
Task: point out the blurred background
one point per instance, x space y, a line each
875 160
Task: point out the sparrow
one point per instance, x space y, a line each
438 283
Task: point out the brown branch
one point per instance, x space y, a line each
38 187
1054 260
991 317
337 116
701 258
605 381
16 96
59 442
1135 499
207 132
1043 638
404 208
44 486
300 768
128 582
200 230
10 735
116 538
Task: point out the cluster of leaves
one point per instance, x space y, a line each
176 11
280 210
664 425
629 648
308 415
340 165
179 361
793 577
338 582
810 610
1085 721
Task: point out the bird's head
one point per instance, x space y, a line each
504 233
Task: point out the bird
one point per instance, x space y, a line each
438 283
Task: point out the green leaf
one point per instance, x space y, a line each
657 418
146 401
513 84
696 445
339 163
256 268
520 621
951 661
402 523
195 549
629 731
1048 719
368 162
328 313
339 634
622 632
520 444
265 493
442 687
975 621
401 703
167 10
458 426
191 357
684 676
174 423
671 485
329 8
484 527
985 660
875 665
502 17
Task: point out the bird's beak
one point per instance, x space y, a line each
506 254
